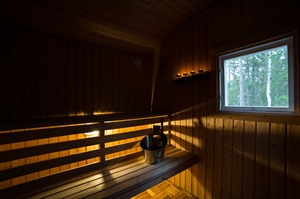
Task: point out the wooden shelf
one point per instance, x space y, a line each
203 75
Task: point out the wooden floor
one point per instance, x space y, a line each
164 190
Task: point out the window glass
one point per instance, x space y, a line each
259 78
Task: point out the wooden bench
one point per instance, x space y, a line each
78 157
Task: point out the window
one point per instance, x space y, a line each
258 78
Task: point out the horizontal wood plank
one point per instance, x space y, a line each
21 136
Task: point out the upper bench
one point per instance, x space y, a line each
95 157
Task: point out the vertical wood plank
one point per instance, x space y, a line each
62 79
103 80
71 78
17 86
6 74
88 106
249 160
277 161
217 183
262 160
210 157
202 156
293 162
122 83
96 79
29 75
237 159
52 77
227 159
80 79
42 76
108 61
115 82
177 141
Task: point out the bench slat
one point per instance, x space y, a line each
42 184
126 178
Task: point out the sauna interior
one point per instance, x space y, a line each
75 60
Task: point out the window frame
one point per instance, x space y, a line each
258 47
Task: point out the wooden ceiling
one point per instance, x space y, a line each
139 25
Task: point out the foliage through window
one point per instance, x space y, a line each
258 78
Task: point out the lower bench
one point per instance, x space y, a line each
122 180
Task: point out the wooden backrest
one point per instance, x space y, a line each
52 148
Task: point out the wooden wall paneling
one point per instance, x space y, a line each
96 79
210 145
56 154
237 159
260 8
196 149
235 17
227 159
80 67
277 161
202 153
115 76
33 159
249 160
133 83
213 34
88 106
262 179
29 74
177 140
196 120
64 152
218 157
18 162
73 151
5 165
148 72
109 81
6 73
183 107
139 84
293 162
62 80
202 89
246 16
122 82
190 100
71 78
52 79
43 157
103 81
81 149
16 51
42 76
174 120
